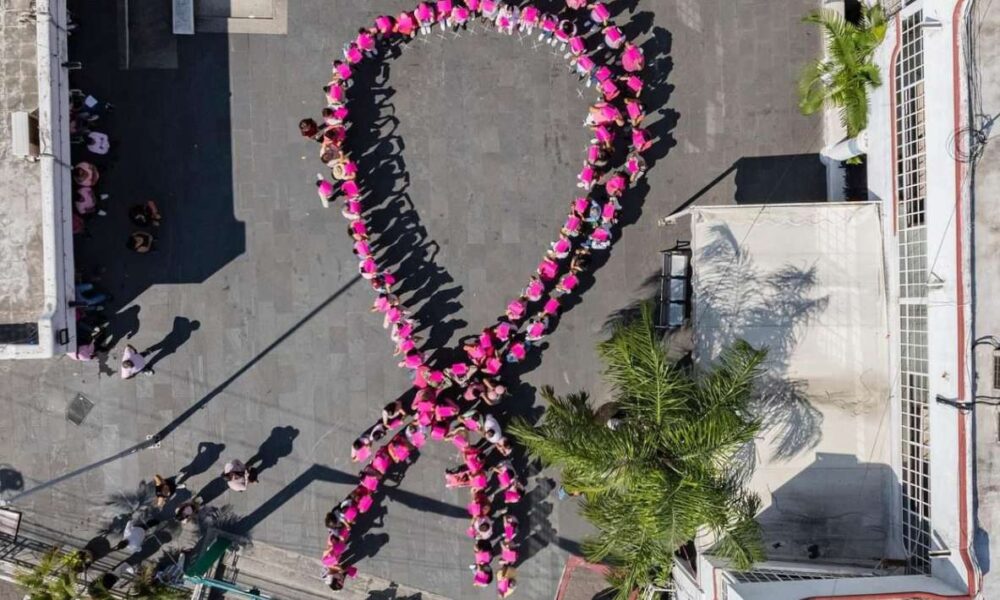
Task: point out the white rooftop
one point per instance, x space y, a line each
808 283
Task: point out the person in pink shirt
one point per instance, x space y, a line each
516 309
341 72
551 306
600 239
385 25
412 360
83 352
478 481
458 17
425 17
536 329
353 54
516 353
530 17
576 4
508 553
506 581
509 527
587 177
361 449
489 10
406 25
444 8
335 93
399 449
640 140
366 41
324 189
632 58
381 461
482 575
502 331
352 212
615 186
633 83
567 282
512 495
577 47
636 112
492 365
393 414
604 136
599 13
534 290
479 506
613 37
547 269
484 552
609 91
584 67
445 409
133 363
473 459
416 434
482 528
635 164
473 5
565 31
561 247
370 478
548 25
609 212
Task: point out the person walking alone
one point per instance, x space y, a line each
133 363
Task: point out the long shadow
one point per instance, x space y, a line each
277 446
181 332
180 156
208 454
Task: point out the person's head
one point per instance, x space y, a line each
378 433
306 125
484 526
334 579
330 520
503 445
483 546
327 112
128 364
489 432
79 172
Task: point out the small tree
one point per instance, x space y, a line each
844 77
53 578
664 473
146 586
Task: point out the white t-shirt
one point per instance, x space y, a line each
490 422
134 535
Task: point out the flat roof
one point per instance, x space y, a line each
21 257
807 281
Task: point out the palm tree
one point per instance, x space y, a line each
53 578
664 474
844 77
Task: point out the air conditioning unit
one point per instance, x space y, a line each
24 134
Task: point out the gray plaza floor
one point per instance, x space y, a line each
265 340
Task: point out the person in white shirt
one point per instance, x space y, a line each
133 362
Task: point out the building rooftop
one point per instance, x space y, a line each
21 264
807 282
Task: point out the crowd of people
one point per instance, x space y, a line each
90 152
452 402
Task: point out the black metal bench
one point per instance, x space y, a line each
674 304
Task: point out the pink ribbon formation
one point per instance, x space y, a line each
450 402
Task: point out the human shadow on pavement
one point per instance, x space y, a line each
181 333
208 454
277 446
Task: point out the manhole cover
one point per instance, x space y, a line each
78 409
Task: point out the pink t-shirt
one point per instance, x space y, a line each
443 9
610 113
343 70
608 211
359 227
325 189
577 45
460 369
634 109
561 246
569 281
586 64
515 309
481 578
353 54
365 41
381 461
351 189
580 205
632 58
634 83
615 186
512 496
517 351
603 73
508 555
613 36
586 174
509 531
548 268
460 14
370 482
492 366
335 94
609 89
365 503
479 481
603 134
536 330
424 13
600 13
485 340
351 513
530 15
600 234
572 223
361 247
639 139
383 24
633 165
502 331
535 289
483 557
405 24
551 306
